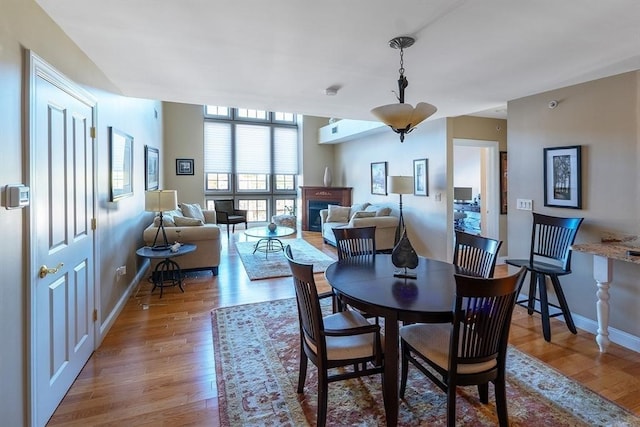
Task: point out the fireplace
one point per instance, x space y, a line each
314 199
313 213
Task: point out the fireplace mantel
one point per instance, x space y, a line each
337 195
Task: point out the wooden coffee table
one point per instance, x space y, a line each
269 241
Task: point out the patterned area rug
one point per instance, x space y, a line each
261 266
256 354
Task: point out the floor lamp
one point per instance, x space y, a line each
400 185
160 201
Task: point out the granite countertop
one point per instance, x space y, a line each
612 246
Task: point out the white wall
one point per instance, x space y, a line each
602 117
425 217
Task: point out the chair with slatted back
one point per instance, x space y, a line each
470 351
337 340
355 241
351 242
476 254
549 256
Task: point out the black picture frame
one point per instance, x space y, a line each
563 177
504 183
151 168
120 164
184 167
421 177
379 178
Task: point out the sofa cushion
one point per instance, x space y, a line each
183 221
379 210
192 211
338 213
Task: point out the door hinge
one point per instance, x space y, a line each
95 315
92 132
94 224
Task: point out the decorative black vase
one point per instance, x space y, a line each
404 256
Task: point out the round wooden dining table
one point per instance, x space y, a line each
368 283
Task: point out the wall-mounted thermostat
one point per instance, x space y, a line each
17 196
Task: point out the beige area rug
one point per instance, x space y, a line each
256 355
259 266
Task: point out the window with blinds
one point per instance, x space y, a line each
251 154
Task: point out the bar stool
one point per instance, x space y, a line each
550 256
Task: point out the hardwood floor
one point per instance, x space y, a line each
156 366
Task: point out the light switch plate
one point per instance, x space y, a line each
524 204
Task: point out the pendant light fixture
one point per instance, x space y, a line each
403 118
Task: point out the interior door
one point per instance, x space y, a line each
62 290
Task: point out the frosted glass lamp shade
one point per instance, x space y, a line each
161 200
403 117
400 184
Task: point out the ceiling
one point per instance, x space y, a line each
469 56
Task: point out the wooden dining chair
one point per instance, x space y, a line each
351 242
340 340
470 351
355 241
549 256
476 254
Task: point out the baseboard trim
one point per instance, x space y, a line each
110 319
617 336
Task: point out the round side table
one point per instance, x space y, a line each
167 272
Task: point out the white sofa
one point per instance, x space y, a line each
361 215
185 225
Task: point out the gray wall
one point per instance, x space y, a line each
24 25
602 116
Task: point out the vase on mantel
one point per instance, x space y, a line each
327 177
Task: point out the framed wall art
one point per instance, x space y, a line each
563 177
379 178
151 168
184 166
121 164
421 177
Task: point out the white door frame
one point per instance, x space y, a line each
491 197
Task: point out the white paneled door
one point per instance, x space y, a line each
62 290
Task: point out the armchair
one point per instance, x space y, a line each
228 214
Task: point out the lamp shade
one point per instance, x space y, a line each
400 184
160 200
403 116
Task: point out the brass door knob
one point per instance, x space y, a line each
44 270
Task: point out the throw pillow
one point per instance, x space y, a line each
363 214
192 211
182 221
379 210
167 218
338 213
358 207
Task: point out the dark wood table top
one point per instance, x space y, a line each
371 282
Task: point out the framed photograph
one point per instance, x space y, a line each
121 164
563 177
421 177
184 166
379 178
151 168
503 183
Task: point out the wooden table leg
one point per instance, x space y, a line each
391 368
